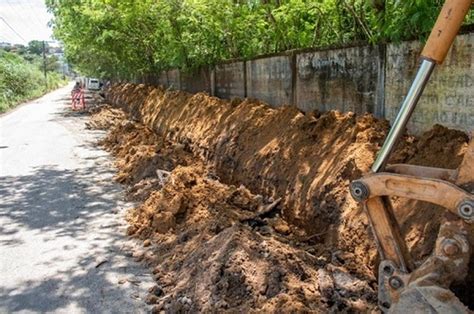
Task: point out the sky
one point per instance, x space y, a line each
28 18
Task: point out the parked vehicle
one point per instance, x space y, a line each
93 84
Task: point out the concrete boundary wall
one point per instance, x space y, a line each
230 80
359 79
449 96
271 79
339 79
199 81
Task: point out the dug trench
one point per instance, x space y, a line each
245 207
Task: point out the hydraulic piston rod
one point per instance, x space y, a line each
442 36
404 114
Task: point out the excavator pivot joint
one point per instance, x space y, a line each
359 191
395 282
466 210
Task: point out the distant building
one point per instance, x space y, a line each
18 48
5 45
56 49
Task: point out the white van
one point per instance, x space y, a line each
93 84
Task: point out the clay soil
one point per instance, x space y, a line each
244 208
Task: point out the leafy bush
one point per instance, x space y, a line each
22 80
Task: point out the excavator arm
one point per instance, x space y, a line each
403 286
399 279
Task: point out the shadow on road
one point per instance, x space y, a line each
52 199
65 204
74 216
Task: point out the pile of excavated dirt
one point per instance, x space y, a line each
305 161
218 246
104 117
215 249
143 159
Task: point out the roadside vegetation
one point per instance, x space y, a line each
126 38
22 77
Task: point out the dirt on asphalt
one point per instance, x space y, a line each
103 117
246 207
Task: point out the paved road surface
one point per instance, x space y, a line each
58 217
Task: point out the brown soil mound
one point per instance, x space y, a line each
306 160
104 117
213 250
275 152
143 157
226 240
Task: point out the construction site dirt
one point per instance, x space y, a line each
244 207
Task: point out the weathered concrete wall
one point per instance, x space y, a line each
358 79
230 80
271 79
163 78
173 77
198 81
342 79
449 97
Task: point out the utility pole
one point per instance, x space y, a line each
44 65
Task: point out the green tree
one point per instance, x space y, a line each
36 47
128 38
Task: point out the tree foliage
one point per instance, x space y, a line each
125 38
36 47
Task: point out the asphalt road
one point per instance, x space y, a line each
62 243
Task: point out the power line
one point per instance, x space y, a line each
22 12
27 13
31 12
4 21
34 15
6 37
25 18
